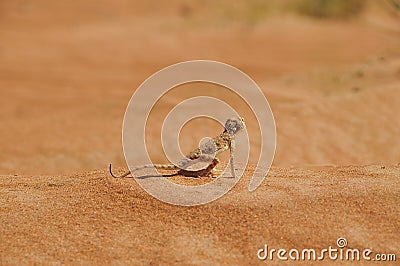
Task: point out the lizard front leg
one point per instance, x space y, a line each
232 157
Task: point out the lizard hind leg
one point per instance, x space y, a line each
211 167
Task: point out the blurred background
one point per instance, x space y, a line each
329 69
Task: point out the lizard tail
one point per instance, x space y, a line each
159 166
121 176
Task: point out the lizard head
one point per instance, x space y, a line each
234 125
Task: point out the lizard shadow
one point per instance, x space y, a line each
153 176
176 174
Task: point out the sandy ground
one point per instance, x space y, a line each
68 71
91 217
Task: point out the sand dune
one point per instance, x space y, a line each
92 218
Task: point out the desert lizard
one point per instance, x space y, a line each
207 152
